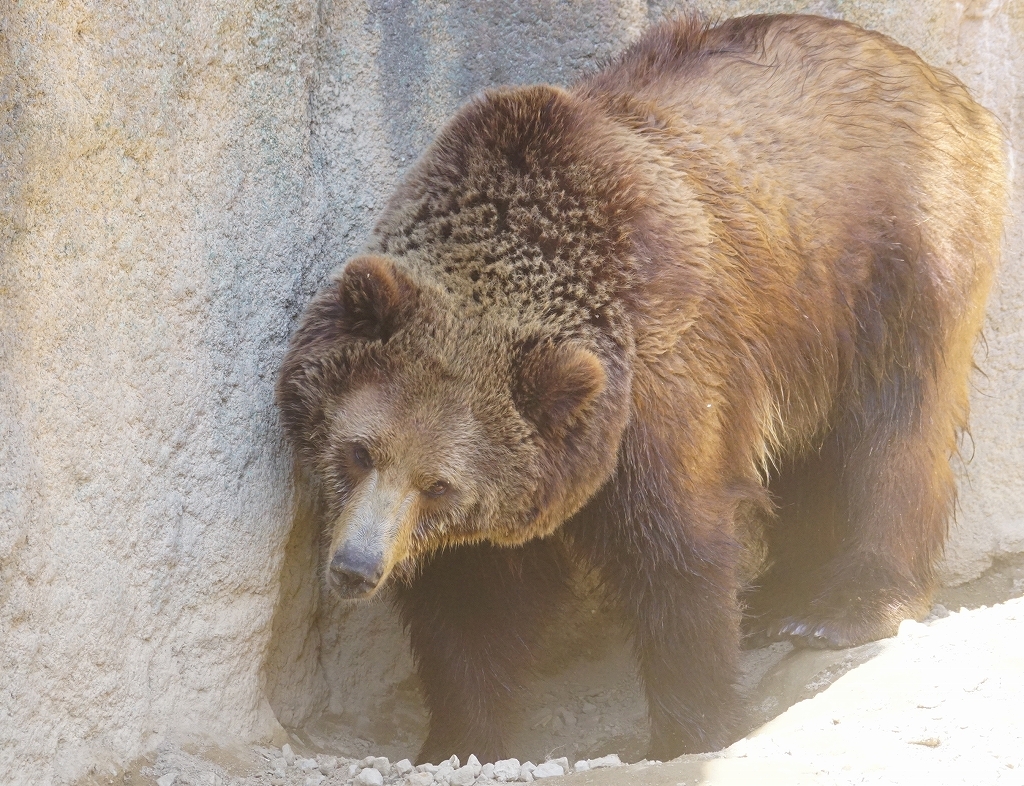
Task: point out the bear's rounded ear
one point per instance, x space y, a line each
555 383
375 297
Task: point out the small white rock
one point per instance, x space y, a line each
420 779
368 761
548 770
403 767
506 770
487 771
454 761
581 766
526 772
562 762
353 770
382 765
611 760
474 762
428 767
444 773
280 766
167 780
210 779
314 780
463 776
288 753
328 764
369 777
307 764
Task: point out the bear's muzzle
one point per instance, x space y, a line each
355 571
365 535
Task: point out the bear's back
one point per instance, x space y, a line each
814 124
796 154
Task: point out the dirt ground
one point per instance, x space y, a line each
940 702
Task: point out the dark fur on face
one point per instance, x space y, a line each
709 314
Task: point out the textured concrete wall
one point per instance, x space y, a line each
157 214
176 179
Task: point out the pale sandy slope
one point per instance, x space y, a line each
942 703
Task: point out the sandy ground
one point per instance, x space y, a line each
941 703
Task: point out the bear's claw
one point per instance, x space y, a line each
823 635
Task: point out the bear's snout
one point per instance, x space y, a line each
355 572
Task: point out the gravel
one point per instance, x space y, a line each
286 767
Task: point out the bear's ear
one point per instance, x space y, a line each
555 383
375 297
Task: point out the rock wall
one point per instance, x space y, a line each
159 211
177 179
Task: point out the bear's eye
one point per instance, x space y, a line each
361 456
436 489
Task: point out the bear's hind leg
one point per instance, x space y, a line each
474 614
896 493
804 534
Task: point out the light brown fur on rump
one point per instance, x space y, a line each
724 291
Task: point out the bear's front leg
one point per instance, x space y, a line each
474 614
667 555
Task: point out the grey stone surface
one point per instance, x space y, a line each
175 182
157 193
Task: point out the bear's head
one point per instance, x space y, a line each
428 426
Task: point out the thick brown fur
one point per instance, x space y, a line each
714 303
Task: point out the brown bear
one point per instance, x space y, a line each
709 311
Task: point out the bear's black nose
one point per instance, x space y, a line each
355 572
